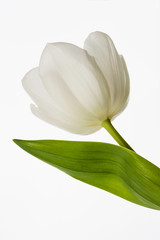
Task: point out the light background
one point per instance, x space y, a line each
36 200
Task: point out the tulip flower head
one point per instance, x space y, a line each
78 89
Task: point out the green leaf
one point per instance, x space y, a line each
106 166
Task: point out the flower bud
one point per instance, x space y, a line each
77 89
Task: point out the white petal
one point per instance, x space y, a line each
100 46
48 111
126 77
68 73
74 127
33 84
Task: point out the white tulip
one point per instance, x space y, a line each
78 89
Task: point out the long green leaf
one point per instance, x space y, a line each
106 166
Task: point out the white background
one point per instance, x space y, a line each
36 200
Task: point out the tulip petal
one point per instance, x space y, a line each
100 46
68 70
50 112
69 125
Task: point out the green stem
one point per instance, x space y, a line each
113 132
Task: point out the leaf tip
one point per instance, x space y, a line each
18 141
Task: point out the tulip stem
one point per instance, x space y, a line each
113 132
